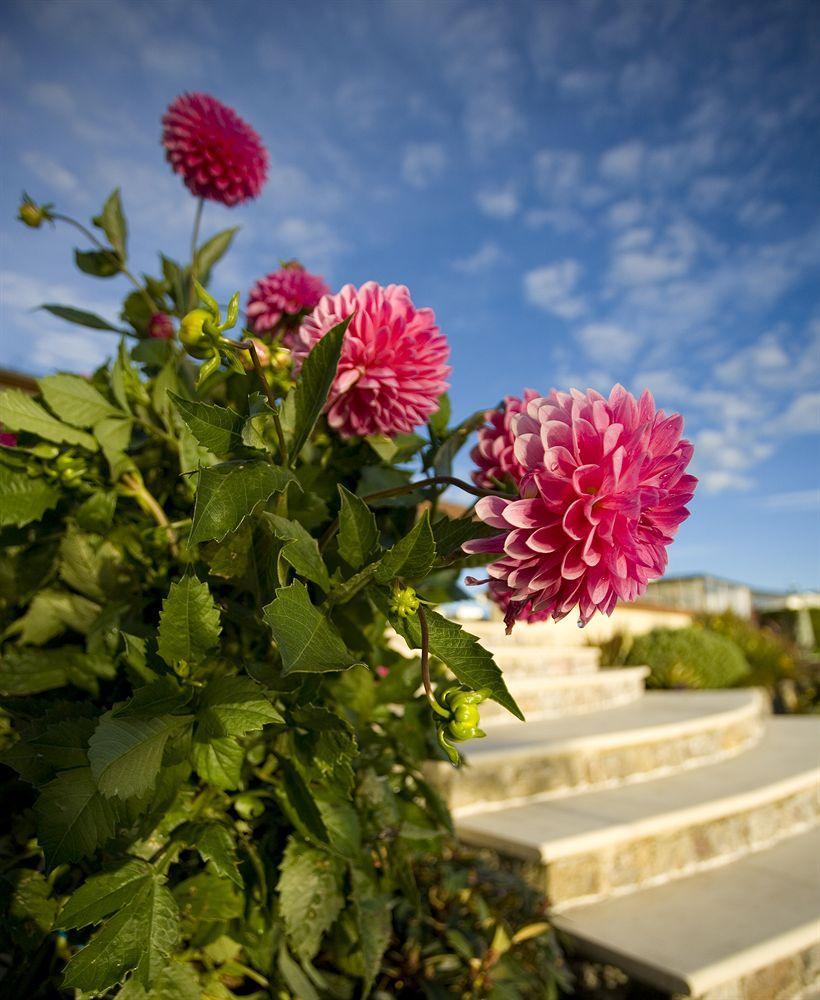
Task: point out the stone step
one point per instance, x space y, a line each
554 696
664 731
540 661
745 931
539 634
604 843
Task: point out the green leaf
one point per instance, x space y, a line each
99 263
307 640
310 895
450 534
215 427
75 400
80 317
103 894
97 512
230 492
446 452
213 250
126 754
22 499
31 671
304 403
412 557
189 624
218 760
73 819
234 706
215 843
295 977
358 531
371 911
114 436
51 612
19 412
441 418
140 936
205 898
298 803
469 661
159 697
112 222
125 380
301 550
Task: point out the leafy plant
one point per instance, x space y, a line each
214 753
686 657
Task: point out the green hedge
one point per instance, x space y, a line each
689 658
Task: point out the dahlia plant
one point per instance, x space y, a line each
223 675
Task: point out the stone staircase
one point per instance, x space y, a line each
675 833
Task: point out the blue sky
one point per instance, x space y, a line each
585 193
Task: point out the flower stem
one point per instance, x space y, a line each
114 257
200 205
137 488
425 663
248 345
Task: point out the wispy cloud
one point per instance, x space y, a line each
553 288
485 257
498 203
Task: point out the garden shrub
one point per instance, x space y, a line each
770 656
688 658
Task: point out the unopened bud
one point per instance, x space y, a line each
192 333
404 602
31 214
160 327
262 352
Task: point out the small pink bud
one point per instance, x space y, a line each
7 440
382 671
160 327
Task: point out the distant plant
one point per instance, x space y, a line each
771 657
687 658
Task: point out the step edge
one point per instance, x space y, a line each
602 678
642 734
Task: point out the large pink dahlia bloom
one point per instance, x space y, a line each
494 454
603 493
219 156
283 293
393 366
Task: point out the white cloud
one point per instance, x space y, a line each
552 288
485 257
608 342
647 80
624 162
582 83
562 219
802 416
558 173
50 173
635 262
722 481
312 242
624 214
54 97
498 203
422 163
793 501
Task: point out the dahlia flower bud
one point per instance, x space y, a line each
160 327
460 721
219 156
393 366
283 295
603 492
32 214
192 333
404 602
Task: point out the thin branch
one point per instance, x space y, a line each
248 345
149 504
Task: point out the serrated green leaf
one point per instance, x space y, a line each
412 556
112 222
307 640
215 843
371 910
206 898
19 412
234 706
80 317
301 550
310 895
31 911
212 251
140 936
450 534
298 803
126 754
228 493
32 671
105 893
189 624
51 612
176 981
114 436
469 661
125 379
358 531
449 448
97 512
218 760
159 697
304 403
217 428
23 499
86 566
73 819
75 400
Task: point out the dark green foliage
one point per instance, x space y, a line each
688 658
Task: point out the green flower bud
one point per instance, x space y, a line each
248 806
404 602
193 335
32 215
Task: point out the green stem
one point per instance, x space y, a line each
248 345
137 488
194 241
425 663
114 257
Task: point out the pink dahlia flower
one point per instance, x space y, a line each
603 493
393 366
160 327
501 595
493 453
284 293
219 156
